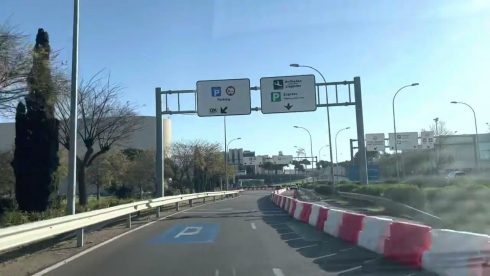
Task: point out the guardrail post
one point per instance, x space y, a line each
177 206
190 202
203 200
158 212
80 237
129 221
214 198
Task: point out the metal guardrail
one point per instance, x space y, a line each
18 235
396 207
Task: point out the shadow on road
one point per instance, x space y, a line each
329 253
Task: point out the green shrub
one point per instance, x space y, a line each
323 189
11 218
431 193
7 204
370 189
407 194
427 181
347 187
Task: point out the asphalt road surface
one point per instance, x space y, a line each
247 235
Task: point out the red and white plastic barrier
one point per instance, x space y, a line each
375 231
407 243
457 253
445 252
305 212
298 210
292 207
333 223
351 226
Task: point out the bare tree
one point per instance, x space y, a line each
104 121
183 161
441 129
15 65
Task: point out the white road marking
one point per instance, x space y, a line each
346 249
253 225
349 270
329 255
233 271
76 256
308 246
189 231
372 260
216 272
277 272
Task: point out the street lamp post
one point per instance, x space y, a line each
336 158
226 161
311 145
320 151
436 121
477 153
394 126
328 117
72 158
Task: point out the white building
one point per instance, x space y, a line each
144 138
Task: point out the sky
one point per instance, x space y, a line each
441 44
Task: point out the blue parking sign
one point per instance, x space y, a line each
216 91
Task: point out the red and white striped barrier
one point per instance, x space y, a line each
315 211
351 226
374 232
407 243
333 223
457 253
305 212
298 210
292 207
445 252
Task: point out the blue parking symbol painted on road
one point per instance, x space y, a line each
188 233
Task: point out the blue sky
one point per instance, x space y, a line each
444 45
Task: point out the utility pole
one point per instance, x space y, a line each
72 156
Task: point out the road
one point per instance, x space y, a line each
247 235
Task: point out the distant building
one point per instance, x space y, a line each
143 139
460 149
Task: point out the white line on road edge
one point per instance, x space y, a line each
216 272
233 271
349 270
76 256
277 272
253 225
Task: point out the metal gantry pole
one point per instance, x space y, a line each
72 162
159 144
363 170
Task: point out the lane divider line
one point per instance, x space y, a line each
349 270
88 250
253 225
277 272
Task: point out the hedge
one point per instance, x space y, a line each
407 194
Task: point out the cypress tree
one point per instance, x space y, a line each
36 143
